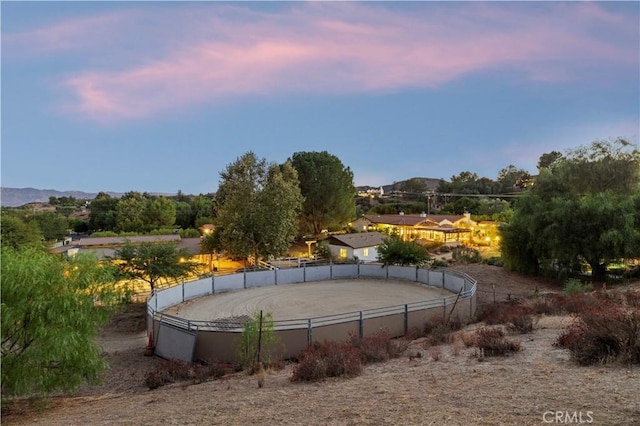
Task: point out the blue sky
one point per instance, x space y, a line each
161 96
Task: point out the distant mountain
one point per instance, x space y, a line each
16 197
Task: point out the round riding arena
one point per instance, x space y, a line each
307 300
204 319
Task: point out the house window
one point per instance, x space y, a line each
343 253
365 252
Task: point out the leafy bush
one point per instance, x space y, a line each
437 263
163 231
603 335
466 255
189 233
491 342
258 329
104 234
494 260
574 285
327 359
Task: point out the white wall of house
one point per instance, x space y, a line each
364 254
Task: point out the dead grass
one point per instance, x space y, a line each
454 390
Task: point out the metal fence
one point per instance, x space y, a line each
218 338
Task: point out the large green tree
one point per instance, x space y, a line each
54 226
17 232
258 205
102 213
583 209
152 262
328 191
130 211
395 251
159 212
50 319
510 178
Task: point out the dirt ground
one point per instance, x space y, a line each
528 388
307 300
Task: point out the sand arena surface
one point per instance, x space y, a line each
307 300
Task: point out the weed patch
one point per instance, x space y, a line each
604 335
491 342
440 331
327 359
378 347
173 371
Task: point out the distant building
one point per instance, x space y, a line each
448 229
363 246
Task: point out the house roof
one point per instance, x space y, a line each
413 219
357 240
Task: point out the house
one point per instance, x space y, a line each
447 229
362 246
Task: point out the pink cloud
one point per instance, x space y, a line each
230 52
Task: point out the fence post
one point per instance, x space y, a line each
244 277
213 286
309 333
358 269
443 275
275 272
387 271
361 326
406 318
444 308
331 270
417 269
182 285
304 272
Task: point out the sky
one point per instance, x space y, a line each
163 96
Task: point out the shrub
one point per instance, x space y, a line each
603 335
491 342
522 323
189 233
439 331
503 312
435 352
574 285
258 336
172 371
378 347
494 260
327 359
545 306
466 255
575 303
632 298
437 263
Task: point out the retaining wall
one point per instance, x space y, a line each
217 340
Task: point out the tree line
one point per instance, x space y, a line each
583 208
